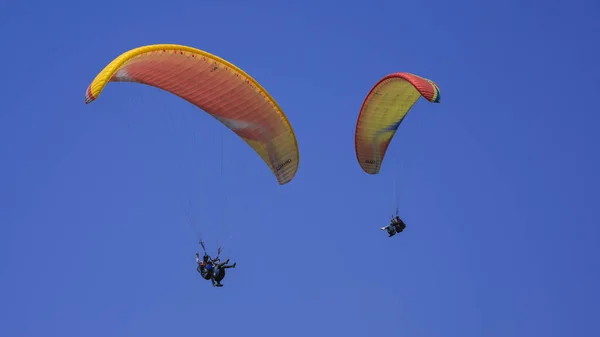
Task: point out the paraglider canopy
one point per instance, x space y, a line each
383 111
219 88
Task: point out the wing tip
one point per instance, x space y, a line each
89 96
369 169
287 177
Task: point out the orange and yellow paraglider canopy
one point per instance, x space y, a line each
383 111
219 88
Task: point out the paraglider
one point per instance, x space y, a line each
220 89
382 112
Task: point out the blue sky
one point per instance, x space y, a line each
498 184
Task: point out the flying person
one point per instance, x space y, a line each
224 264
219 272
399 225
205 266
396 226
391 228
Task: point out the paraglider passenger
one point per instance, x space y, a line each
219 272
224 264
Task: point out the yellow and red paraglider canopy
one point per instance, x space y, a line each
219 88
383 111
